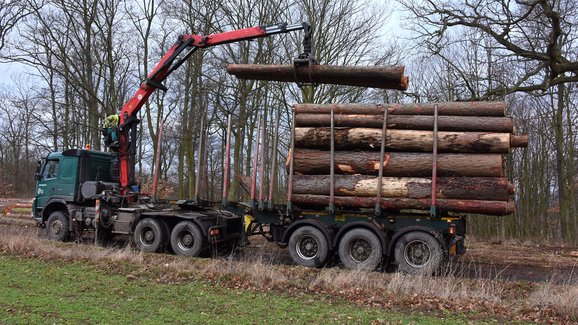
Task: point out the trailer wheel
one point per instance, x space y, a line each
57 226
360 249
187 239
150 235
308 247
418 253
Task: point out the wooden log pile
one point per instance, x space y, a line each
471 140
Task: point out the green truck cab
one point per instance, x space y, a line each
59 180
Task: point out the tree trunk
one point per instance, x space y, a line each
497 208
468 188
386 77
403 140
398 163
410 122
447 108
563 200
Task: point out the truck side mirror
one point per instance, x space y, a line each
38 168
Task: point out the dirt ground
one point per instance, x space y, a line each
513 261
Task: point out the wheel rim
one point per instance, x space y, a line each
147 236
56 227
185 240
307 247
417 253
360 250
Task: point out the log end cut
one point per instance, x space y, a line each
519 141
404 83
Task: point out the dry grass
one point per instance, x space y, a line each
18 240
488 296
448 287
563 299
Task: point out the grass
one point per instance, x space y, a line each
252 288
21 210
36 291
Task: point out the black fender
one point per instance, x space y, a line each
405 230
51 206
55 204
366 225
308 222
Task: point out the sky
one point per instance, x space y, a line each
392 29
7 70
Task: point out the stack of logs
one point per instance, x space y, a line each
471 140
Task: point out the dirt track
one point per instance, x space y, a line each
505 261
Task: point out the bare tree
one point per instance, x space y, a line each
537 34
12 12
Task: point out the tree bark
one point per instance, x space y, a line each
403 140
410 164
409 122
468 188
385 77
497 108
497 208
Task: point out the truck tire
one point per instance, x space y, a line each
308 247
150 235
187 239
418 252
361 249
57 226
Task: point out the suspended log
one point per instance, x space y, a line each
386 77
409 122
402 140
497 208
497 108
467 188
316 162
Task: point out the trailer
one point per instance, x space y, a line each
417 241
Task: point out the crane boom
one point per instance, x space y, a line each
183 48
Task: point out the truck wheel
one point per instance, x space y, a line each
187 239
308 247
57 226
150 235
360 249
418 253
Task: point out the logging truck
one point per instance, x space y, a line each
362 180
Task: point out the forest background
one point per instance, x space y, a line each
73 63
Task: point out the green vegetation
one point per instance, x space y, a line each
34 291
21 210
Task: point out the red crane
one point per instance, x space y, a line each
185 46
